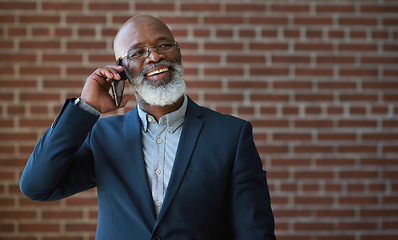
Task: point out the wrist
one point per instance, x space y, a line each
78 102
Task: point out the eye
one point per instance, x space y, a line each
137 52
165 45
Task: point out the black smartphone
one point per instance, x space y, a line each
117 86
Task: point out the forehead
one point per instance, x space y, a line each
145 33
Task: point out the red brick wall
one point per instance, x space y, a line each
318 80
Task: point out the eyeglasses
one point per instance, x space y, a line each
143 52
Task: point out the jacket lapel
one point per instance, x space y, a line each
132 130
190 133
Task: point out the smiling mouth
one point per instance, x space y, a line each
158 71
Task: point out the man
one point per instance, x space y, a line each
168 169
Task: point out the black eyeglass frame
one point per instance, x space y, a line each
119 61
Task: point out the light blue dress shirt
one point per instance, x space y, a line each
160 142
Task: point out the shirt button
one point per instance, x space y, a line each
157 172
159 141
150 119
171 127
158 203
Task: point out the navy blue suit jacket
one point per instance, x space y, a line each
217 189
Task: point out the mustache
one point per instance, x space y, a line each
152 66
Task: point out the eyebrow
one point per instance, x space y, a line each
156 40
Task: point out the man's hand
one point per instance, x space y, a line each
96 89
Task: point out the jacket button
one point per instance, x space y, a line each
156 238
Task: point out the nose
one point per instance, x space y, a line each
154 56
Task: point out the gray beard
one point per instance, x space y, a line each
164 94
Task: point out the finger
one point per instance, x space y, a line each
125 100
107 73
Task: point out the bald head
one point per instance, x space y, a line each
140 30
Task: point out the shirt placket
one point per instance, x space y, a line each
158 166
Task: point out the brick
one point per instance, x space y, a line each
268 46
16 31
313 72
223 46
245 7
346 8
379 9
39 44
208 7
85 45
358 34
291 137
224 33
358 97
313 226
333 59
18 6
290 59
326 213
204 84
223 20
247 84
6 44
115 6
269 71
292 85
6 227
154 6
357 149
358 174
358 72
39 227
335 136
313 47
313 123
313 21
379 60
268 20
224 71
62 58
80 227
60 6
39 70
17 136
313 149
224 97
313 200
40 19
390 21
269 97
17 214
245 59
289 8
357 226
86 19
379 136
314 97
357 47
358 21
179 20
384 236
358 200
290 110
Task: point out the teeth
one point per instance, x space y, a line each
157 71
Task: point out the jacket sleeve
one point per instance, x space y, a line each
251 212
61 163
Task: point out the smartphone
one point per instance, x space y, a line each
117 86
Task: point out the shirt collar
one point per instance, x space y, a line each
173 120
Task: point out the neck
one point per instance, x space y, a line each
157 111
